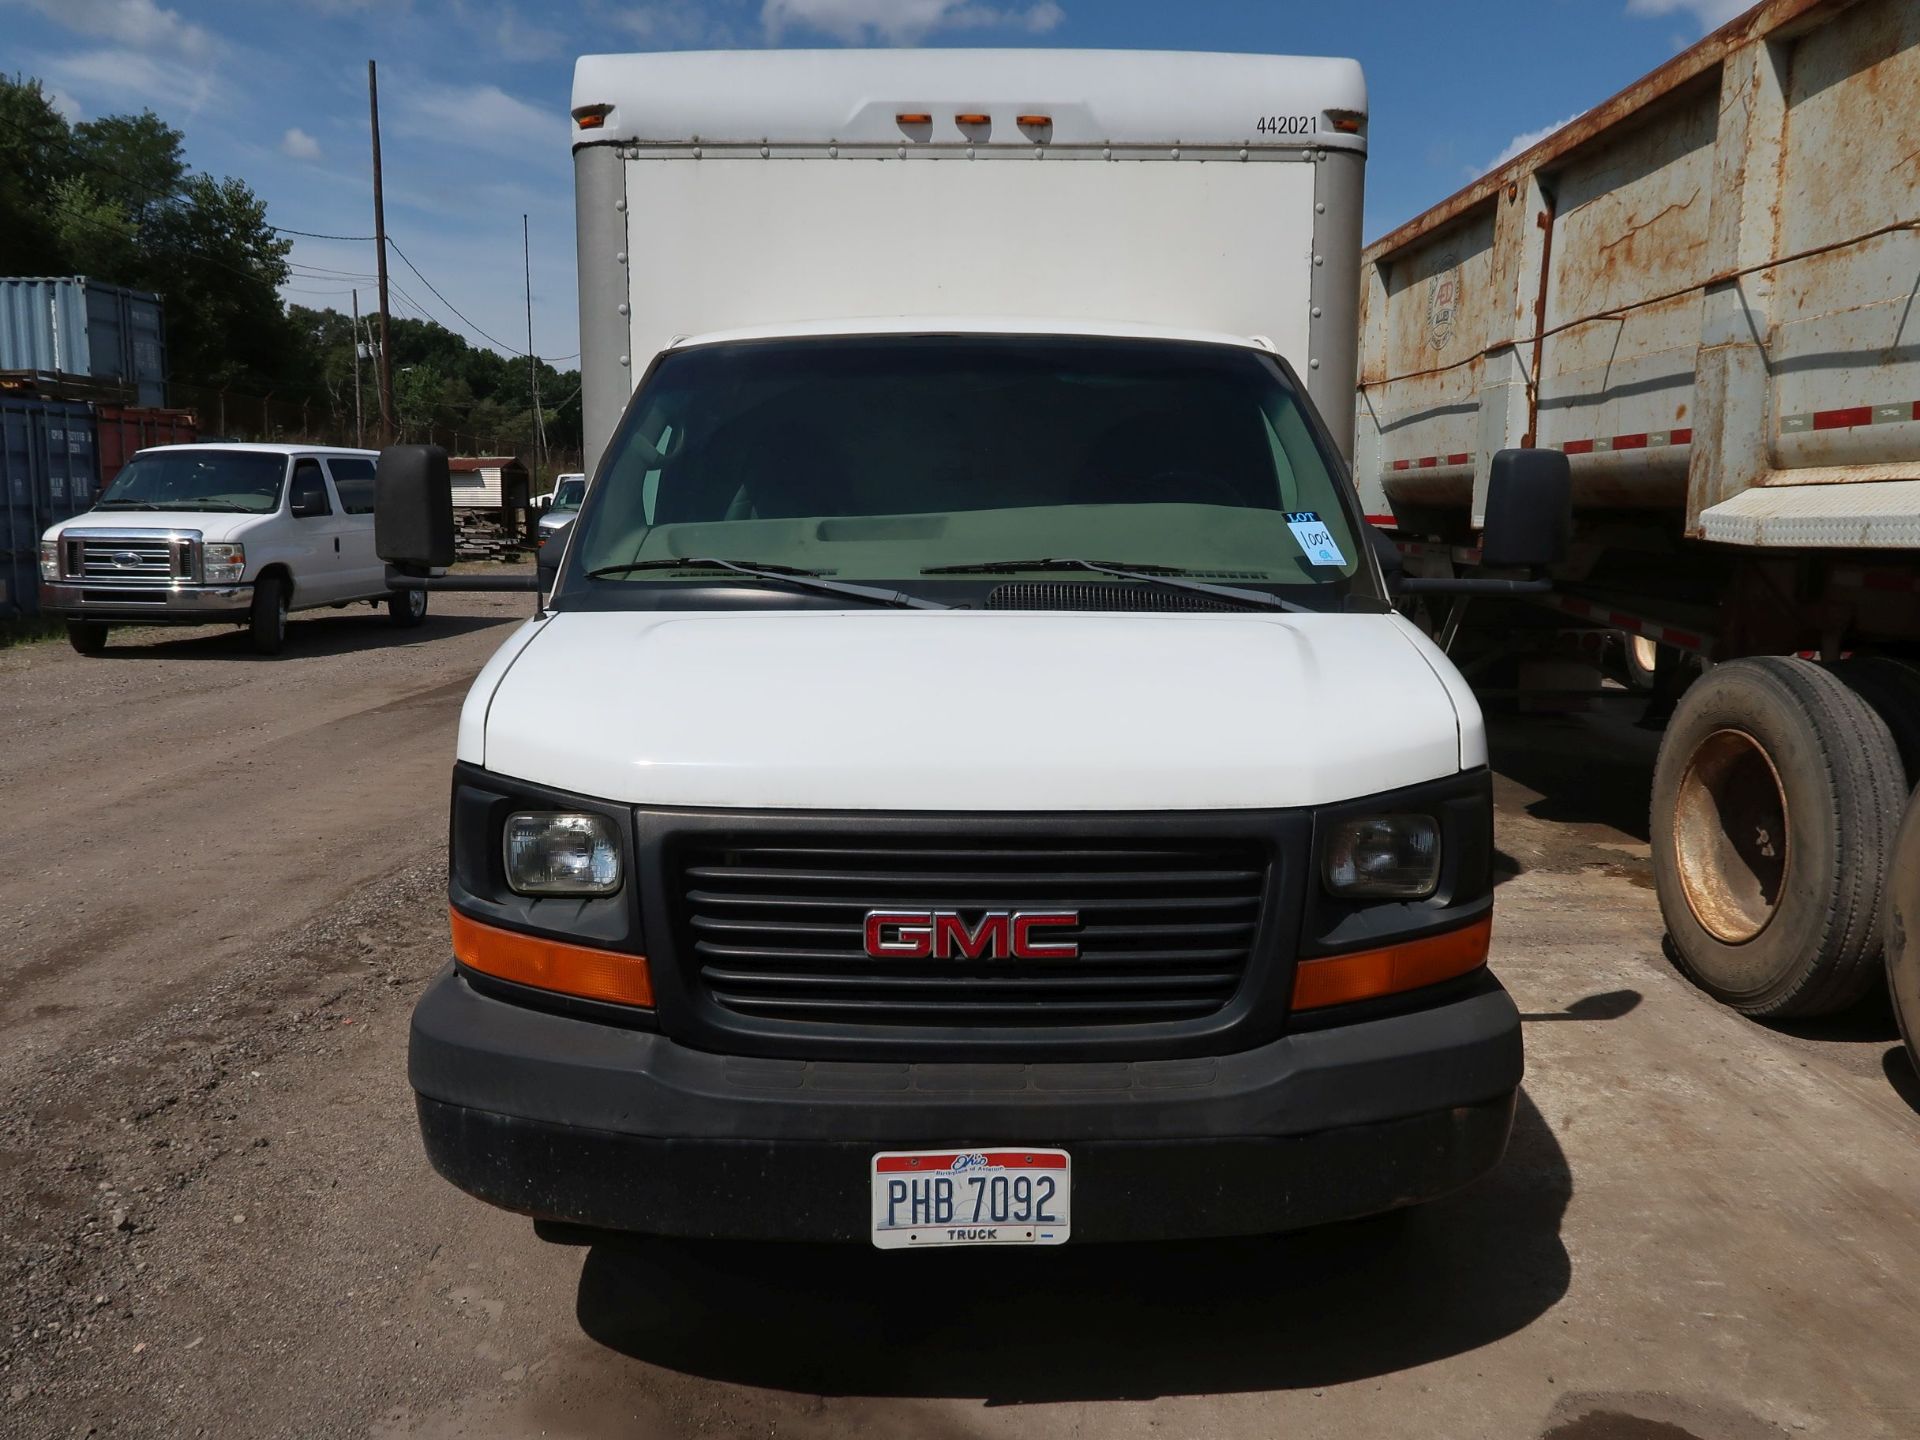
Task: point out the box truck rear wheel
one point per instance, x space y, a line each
1902 928
1776 798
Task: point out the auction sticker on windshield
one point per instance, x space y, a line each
923 1199
1314 537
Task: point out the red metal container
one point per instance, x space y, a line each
123 429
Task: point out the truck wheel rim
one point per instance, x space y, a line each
1646 654
1730 836
416 603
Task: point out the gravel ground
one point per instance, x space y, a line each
223 888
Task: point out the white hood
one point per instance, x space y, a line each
215 525
970 710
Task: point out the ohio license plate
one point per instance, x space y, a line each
927 1198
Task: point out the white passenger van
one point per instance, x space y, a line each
198 534
966 784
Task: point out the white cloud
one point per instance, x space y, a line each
134 24
673 23
902 22
1524 141
484 116
299 145
68 107
1710 14
112 81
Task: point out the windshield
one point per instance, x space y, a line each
237 480
905 458
566 495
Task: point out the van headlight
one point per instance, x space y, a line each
1382 857
562 853
222 563
50 559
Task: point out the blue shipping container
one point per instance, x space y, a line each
86 329
49 471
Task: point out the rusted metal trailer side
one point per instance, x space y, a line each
1706 294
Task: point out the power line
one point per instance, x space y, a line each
493 339
315 234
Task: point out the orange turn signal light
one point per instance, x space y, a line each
554 965
1369 974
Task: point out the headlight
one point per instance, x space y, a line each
50 559
562 854
1383 857
222 564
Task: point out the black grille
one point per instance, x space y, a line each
776 928
1096 595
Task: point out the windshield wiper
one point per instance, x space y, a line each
129 505
221 509
1168 577
792 575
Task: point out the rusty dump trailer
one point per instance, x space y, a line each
1705 293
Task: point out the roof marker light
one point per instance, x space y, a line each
971 118
591 117
913 117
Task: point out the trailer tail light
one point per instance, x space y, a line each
1391 969
555 965
591 117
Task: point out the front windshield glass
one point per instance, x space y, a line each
233 480
886 458
566 495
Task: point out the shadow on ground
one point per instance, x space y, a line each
1102 1322
326 633
1588 770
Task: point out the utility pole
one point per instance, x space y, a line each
380 245
533 362
359 427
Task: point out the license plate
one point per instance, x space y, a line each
923 1199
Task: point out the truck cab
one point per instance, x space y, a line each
998 803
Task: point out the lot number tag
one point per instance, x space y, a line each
1314 537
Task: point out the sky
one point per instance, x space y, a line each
474 98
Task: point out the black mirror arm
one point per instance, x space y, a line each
399 579
1467 585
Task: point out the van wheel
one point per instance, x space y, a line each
1902 928
1776 798
89 637
407 608
268 625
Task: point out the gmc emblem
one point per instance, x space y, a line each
945 935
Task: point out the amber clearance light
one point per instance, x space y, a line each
1369 974
551 964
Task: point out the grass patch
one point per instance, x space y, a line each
31 630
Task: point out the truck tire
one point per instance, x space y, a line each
406 608
1776 798
268 625
1639 657
89 637
1902 929
1892 688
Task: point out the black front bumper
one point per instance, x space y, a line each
570 1120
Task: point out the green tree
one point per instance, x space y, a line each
34 159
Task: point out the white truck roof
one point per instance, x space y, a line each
966 325
264 448
1092 97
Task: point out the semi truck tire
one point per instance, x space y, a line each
1902 929
1776 798
267 626
1639 658
1892 688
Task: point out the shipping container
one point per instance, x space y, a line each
120 430
49 470
83 330
1702 293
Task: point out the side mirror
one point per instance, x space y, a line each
306 504
547 558
1529 510
413 509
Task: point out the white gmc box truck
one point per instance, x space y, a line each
965 782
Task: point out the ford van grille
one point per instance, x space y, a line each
776 928
129 559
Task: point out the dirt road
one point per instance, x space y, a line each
221 886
